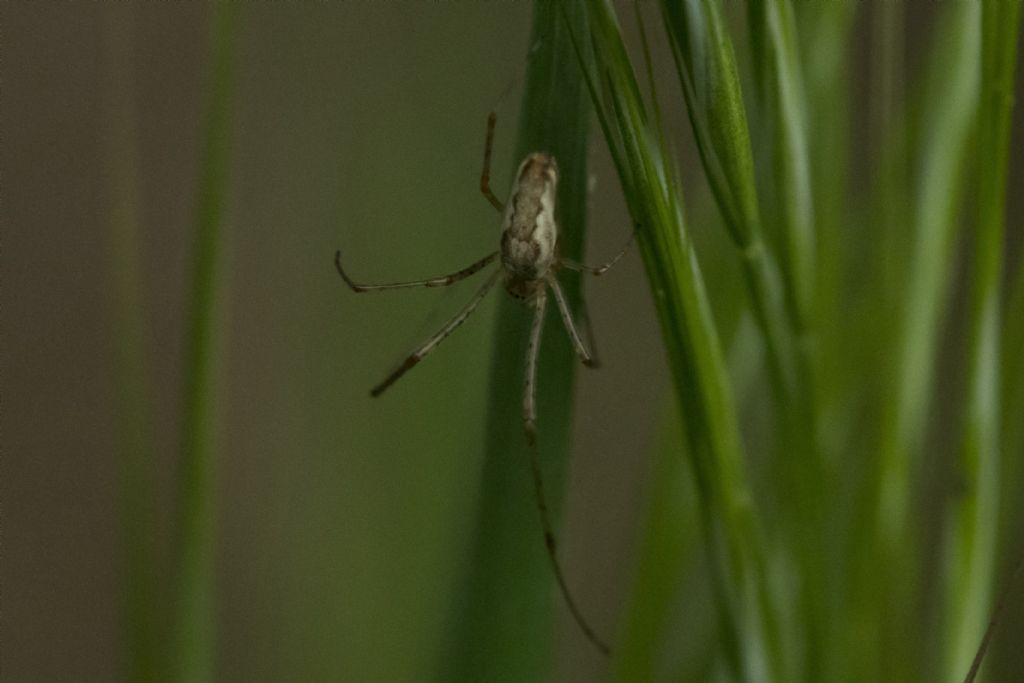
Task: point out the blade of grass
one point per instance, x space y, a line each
1012 449
728 523
1012 342
780 88
884 595
998 612
501 628
972 521
1013 392
776 54
667 544
706 65
134 424
669 534
705 62
668 549
887 108
194 643
825 33
875 263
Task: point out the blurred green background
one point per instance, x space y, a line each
340 520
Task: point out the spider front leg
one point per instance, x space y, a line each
426 347
485 175
597 270
532 352
442 281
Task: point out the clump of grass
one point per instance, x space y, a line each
841 561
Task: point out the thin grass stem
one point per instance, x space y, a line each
886 587
972 527
195 635
138 489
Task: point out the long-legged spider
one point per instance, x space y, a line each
529 261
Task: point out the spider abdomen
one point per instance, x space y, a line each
529 231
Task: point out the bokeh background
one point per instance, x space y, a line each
340 519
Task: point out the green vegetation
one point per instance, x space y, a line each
841 608
833 492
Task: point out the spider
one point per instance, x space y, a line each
529 261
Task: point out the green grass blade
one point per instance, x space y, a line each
667 544
825 33
1012 493
501 627
1013 388
781 90
706 64
790 212
972 530
194 644
734 543
781 298
877 261
884 592
707 69
134 425
669 536
890 132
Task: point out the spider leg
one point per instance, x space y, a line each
530 421
597 270
532 353
570 325
442 281
430 344
552 549
485 175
